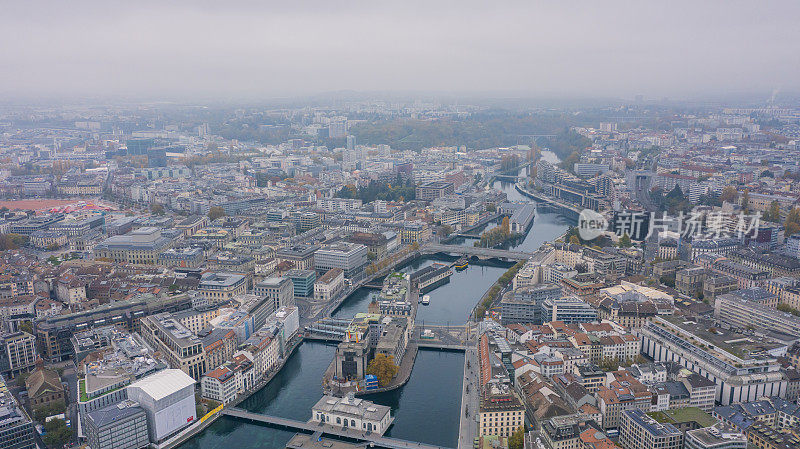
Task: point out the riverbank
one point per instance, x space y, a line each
403 372
212 416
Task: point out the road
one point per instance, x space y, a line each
468 427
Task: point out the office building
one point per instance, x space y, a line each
718 436
568 310
222 286
141 246
303 282
742 367
525 306
432 190
17 353
167 398
639 431
279 290
181 349
302 256
349 257
747 313
16 427
118 426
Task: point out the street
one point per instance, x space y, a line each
468 427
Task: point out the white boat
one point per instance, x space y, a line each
426 299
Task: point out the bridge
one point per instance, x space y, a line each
310 427
485 253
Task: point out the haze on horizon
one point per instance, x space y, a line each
207 49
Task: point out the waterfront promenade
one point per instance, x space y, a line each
291 424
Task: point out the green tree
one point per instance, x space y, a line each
56 433
157 209
215 212
772 214
383 367
625 241
517 439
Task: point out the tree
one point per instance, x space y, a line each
575 240
729 195
668 280
773 214
156 209
625 241
446 230
517 439
746 201
215 212
792 223
26 326
383 367
371 255
57 433
505 226
767 174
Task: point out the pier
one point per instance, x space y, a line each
344 432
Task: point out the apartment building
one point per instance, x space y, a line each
222 286
745 313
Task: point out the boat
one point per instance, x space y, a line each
426 299
461 263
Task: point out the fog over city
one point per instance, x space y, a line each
277 49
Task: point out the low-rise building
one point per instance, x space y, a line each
639 431
118 426
352 413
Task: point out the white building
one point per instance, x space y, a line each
168 399
353 413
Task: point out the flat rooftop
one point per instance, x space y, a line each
744 347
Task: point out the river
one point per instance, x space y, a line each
426 409
293 391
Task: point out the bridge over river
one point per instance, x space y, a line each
310 427
487 253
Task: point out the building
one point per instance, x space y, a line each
181 348
302 256
352 413
432 190
745 313
16 427
742 367
501 412
718 436
181 258
17 353
141 246
639 431
278 290
561 432
568 310
349 257
222 286
303 282
119 426
525 306
167 398
763 436
45 389
329 286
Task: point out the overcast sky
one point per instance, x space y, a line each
265 49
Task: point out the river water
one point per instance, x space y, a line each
426 409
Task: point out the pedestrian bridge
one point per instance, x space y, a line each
310 427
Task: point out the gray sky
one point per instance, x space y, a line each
263 48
